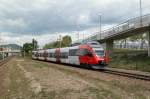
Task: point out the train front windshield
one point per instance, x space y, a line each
99 53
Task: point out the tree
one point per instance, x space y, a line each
27 48
139 38
135 38
35 44
66 40
51 45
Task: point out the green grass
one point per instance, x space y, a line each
128 51
130 59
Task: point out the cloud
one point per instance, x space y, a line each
49 17
12 25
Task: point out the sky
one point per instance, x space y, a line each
45 20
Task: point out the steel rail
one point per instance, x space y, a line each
127 74
2 62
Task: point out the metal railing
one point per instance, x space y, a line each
130 46
12 51
133 23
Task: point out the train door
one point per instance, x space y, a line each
73 57
64 55
36 55
45 55
57 55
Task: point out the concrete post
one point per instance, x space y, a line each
3 55
149 44
109 47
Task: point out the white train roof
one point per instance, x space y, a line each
92 44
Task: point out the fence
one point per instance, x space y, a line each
131 46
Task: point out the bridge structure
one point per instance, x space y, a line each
9 53
126 29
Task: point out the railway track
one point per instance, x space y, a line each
2 62
128 74
113 71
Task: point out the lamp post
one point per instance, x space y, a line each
140 12
100 21
78 35
59 41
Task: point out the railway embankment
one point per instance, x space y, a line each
130 60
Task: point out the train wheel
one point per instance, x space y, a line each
86 66
98 67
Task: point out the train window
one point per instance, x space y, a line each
36 54
93 43
32 53
99 53
83 52
73 52
45 54
55 55
51 55
64 55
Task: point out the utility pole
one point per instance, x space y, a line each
59 41
34 44
77 26
77 33
140 12
100 21
83 36
2 47
78 36
23 53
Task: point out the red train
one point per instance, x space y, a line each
90 54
